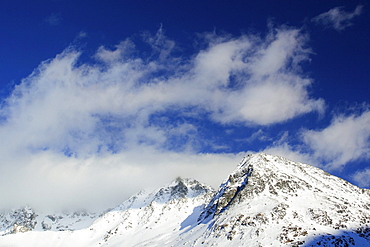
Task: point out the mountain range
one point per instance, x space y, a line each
266 201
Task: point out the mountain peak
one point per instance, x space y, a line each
181 188
267 191
273 176
251 177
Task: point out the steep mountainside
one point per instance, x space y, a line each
272 200
267 201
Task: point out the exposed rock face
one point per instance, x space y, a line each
20 220
181 188
229 191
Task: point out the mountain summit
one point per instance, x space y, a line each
266 201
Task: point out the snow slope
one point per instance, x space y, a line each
267 201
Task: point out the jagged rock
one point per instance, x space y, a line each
20 220
26 219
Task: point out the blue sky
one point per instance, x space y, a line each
102 98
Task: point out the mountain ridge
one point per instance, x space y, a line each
266 200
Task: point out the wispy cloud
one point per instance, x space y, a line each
346 139
54 19
105 125
337 18
362 177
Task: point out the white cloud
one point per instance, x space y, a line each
337 18
270 88
103 129
50 181
263 103
362 178
122 50
283 50
346 139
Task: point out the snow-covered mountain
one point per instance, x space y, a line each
26 219
267 201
